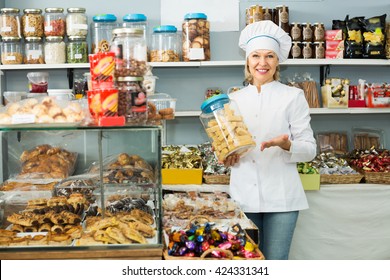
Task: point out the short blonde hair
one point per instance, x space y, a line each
249 77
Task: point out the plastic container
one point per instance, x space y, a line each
129 47
60 94
54 22
10 22
136 21
38 81
101 30
77 49
32 23
225 128
76 22
55 50
13 96
161 106
33 50
196 37
164 46
11 51
132 100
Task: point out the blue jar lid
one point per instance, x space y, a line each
134 17
213 103
104 18
195 16
164 28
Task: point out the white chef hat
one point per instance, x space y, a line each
265 35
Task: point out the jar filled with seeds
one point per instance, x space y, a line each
33 50
32 23
101 31
55 50
77 49
54 22
10 22
196 37
129 47
165 46
76 22
11 51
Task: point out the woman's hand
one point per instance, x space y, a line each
281 141
231 160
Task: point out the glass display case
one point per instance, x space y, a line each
80 192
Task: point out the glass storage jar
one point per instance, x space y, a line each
132 100
136 21
76 22
196 37
32 23
33 50
129 47
54 50
11 51
225 128
164 45
101 30
77 49
54 22
10 22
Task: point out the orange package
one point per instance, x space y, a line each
102 66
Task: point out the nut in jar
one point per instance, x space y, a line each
196 37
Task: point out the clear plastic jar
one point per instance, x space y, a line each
76 22
101 30
54 22
11 51
225 128
32 23
129 47
55 50
136 21
132 100
77 49
33 50
10 22
196 37
164 46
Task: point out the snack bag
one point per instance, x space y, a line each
374 37
102 69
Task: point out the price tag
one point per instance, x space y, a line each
196 54
23 118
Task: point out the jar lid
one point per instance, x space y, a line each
214 103
134 17
130 79
104 18
164 28
11 39
54 10
32 11
135 31
10 10
33 39
76 10
79 37
54 38
195 16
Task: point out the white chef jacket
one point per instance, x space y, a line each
268 181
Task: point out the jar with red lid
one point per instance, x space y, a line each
54 22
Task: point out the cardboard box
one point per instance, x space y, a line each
310 182
334 54
181 176
331 35
335 45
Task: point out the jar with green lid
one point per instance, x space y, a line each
32 23
55 50
101 32
129 47
33 50
10 22
76 22
11 51
164 45
77 49
196 37
136 21
54 22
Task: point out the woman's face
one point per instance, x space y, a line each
262 65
